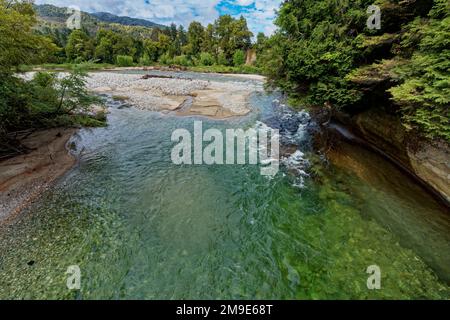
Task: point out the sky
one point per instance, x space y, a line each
259 13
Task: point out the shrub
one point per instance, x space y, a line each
206 59
124 61
239 58
424 91
222 59
182 61
249 69
145 60
165 59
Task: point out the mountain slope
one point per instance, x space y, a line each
57 17
127 21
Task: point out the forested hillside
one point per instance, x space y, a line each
51 21
325 55
127 41
126 21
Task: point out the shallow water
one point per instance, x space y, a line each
141 227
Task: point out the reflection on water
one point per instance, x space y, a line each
140 227
398 203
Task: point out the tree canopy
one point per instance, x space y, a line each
324 54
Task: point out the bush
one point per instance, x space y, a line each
239 58
42 101
124 61
249 69
165 59
145 60
222 59
182 61
206 59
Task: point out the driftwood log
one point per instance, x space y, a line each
152 76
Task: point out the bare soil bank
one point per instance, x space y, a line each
25 177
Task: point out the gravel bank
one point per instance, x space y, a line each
209 98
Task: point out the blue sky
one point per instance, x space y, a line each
259 13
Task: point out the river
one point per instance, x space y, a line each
140 227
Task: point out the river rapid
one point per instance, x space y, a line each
140 227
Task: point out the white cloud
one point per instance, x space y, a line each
261 18
161 11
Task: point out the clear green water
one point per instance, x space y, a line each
140 227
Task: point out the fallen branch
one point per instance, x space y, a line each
150 76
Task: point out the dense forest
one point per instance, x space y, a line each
128 41
323 54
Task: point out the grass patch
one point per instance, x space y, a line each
69 66
88 66
226 69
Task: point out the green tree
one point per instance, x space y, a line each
240 34
223 30
206 59
174 48
151 49
182 36
424 95
45 100
163 44
261 42
104 50
124 61
238 58
232 34
324 54
314 49
80 47
210 42
73 94
18 43
124 45
111 44
195 38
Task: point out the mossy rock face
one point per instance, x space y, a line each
375 74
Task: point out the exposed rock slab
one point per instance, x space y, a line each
427 160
